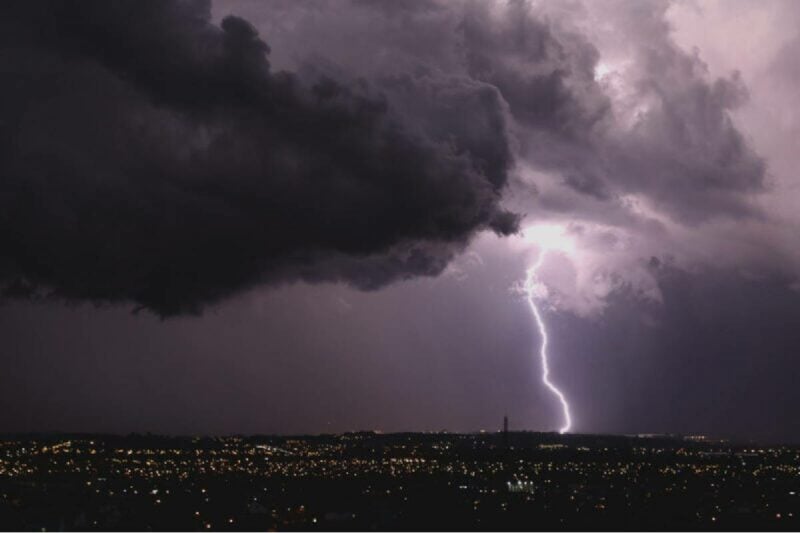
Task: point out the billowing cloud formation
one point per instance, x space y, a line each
634 116
622 137
148 155
153 156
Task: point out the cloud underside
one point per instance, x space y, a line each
150 156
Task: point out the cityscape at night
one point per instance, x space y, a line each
368 480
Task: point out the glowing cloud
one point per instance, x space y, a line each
549 237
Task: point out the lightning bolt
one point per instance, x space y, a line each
530 283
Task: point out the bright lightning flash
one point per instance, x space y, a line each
547 238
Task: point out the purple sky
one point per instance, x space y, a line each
329 231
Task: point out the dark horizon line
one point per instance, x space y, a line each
686 438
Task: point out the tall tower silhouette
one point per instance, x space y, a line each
505 431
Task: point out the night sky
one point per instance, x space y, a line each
317 216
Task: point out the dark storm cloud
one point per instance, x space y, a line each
658 126
546 76
151 156
147 155
138 144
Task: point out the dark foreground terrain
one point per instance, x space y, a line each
397 481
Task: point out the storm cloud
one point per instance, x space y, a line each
267 161
618 132
164 154
151 156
